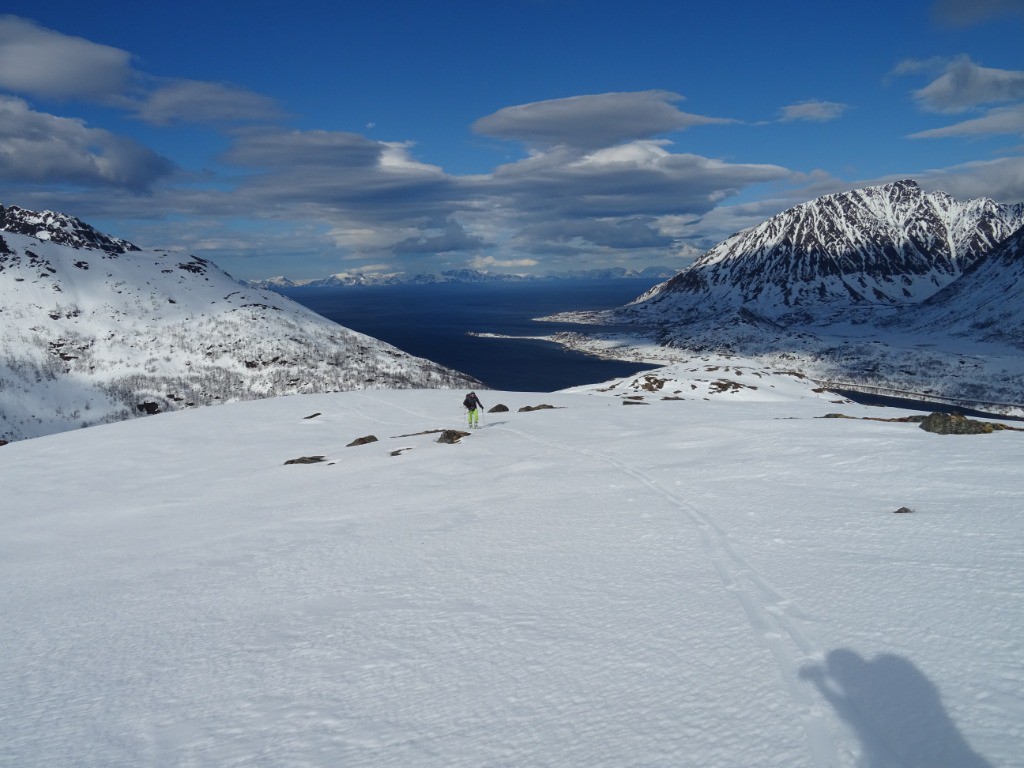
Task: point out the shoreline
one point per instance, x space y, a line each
635 348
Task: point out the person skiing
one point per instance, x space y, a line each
473 406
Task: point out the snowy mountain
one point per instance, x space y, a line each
93 329
61 229
338 280
885 245
719 584
885 290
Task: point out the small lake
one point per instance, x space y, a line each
434 322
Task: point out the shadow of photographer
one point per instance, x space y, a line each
895 711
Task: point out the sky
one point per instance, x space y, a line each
528 136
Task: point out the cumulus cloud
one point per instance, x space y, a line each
592 121
964 84
814 110
38 147
39 62
962 13
195 101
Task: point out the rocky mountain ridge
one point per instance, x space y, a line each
60 228
887 245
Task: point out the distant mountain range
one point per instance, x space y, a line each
94 329
349 279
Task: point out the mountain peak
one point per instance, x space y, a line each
884 245
61 229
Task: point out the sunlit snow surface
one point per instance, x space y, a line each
679 583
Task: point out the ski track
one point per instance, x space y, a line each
392 406
772 616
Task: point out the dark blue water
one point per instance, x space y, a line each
433 321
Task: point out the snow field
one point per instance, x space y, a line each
683 583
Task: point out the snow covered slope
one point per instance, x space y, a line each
683 583
92 330
892 244
987 302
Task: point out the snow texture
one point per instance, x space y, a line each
717 582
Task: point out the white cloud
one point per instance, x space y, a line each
395 155
332 150
452 238
1001 180
1002 120
962 13
814 110
38 147
195 101
380 202
964 84
592 121
484 263
42 63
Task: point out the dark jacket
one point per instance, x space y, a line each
472 402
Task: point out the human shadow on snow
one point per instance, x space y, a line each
895 711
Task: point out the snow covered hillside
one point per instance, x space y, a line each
713 583
93 330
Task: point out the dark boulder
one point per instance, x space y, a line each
451 436
306 460
955 424
499 408
363 440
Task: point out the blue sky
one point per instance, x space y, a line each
307 139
